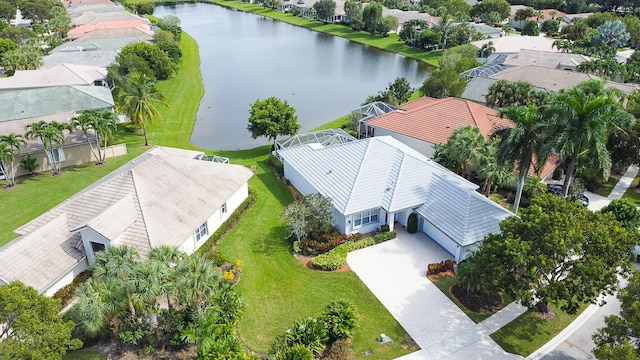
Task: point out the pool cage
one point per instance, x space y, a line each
486 70
324 138
367 112
213 158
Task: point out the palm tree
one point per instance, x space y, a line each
579 121
197 280
102 123
10 146
138 99
518 146
118 262
52 137
170 257
444 28
493 174
487 49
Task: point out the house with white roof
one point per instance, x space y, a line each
381 181
165 196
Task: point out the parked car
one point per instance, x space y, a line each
557 189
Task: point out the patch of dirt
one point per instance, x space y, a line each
480 301
441 275
408 342
110 351
304 260
549 315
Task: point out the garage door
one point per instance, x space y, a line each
439 237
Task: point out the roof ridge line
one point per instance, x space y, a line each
137 199
358 172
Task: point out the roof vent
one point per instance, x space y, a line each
329 172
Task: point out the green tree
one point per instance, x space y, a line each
576 31
557 250
138 99
7 11
620 337
144 58
39 11
308 217
444 28
523 14
518 146
389 23
491 173
372 16
614 34
487 49
464 150
32 325
272 117
52 137
101 123
501 7
398 92
444 82
197 280
6 45
579 121
531 29
625 212
353 10
550 27
325 9
20 59
10 146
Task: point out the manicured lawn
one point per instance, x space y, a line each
528 332
444 284
633 192
605 189
390 43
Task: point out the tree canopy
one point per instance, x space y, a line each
325 9
32 325
271 118
557 250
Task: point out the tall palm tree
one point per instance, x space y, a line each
101 123
487 49
10 146
197 280
52 137
444 27
518 146
118 262
579 121
138 99
170 257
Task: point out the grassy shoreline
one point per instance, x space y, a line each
391 43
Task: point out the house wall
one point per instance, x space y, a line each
297 180
89 236
74 154
340 221
441 238
468 250
423 147
215 220
67 278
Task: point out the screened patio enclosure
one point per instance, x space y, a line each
366 112
324 138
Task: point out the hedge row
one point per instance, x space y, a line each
337 258
231 222
66 293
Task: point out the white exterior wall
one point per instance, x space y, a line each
423 147
67 278
441 238
89 236
297 180
215 220
364 228
340 221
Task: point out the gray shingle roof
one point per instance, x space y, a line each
88 58
59 75
30 103
465 216
369 173
156 199
110 44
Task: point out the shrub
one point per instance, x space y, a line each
29 163
437 268
217 258
66 293
340 350
384 228
309 332
277 165
558 173
412 223
296 352
625 212
340 318
229 224
337 258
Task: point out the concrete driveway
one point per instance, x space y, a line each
395 271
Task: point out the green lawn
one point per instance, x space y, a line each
390 43
529 332
84 354
605 189
633 192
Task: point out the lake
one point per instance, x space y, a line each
245 57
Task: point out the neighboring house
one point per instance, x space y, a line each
546 59
163 197
512 44
78 10
377 181
87 58
570 18
141 34
74 3
547 14
108 44
424 122
93 17
487 31
306 9
404 16
59 75
81 32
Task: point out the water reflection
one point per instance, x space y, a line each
245 57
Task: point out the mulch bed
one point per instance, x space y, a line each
477 301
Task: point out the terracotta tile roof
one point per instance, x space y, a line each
433 120
83 29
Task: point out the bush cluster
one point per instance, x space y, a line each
329 240
229 224
437 268
337 258
277 165
65 294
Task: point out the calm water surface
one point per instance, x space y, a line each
245 57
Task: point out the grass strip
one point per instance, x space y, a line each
633 192
390 43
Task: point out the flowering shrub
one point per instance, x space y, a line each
229 275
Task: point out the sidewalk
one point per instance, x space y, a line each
597 202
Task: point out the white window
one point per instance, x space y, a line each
55 155
365 217
223 209
201 232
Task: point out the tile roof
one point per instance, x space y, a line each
110 25
39 258
369 173
139 33
465 216
515 43
546 59
37 102
58 75
434 120
110 44
89 58
94 17
156 199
